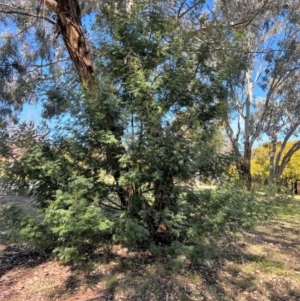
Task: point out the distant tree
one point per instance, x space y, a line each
290 167
260 164
266 63
283 122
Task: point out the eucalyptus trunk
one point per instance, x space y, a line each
246 165
273 168
69 26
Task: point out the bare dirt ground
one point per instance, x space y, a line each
260 265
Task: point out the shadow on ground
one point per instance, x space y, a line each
260 265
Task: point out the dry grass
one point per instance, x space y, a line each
259 265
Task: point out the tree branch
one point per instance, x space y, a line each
16 12
52 5
282 147
88 7
188 9
287 158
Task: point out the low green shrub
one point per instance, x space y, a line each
73 227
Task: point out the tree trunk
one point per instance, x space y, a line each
69 26
279 168
244 169
163 194
273 168
246 165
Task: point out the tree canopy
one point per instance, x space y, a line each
140 90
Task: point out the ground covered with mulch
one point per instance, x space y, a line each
263 264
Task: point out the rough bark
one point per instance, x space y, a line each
69 26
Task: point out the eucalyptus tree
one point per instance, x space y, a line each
268 64
283 124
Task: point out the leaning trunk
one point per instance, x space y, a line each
69 26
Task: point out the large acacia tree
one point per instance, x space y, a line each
152 77
138 109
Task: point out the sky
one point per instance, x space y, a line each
31 113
